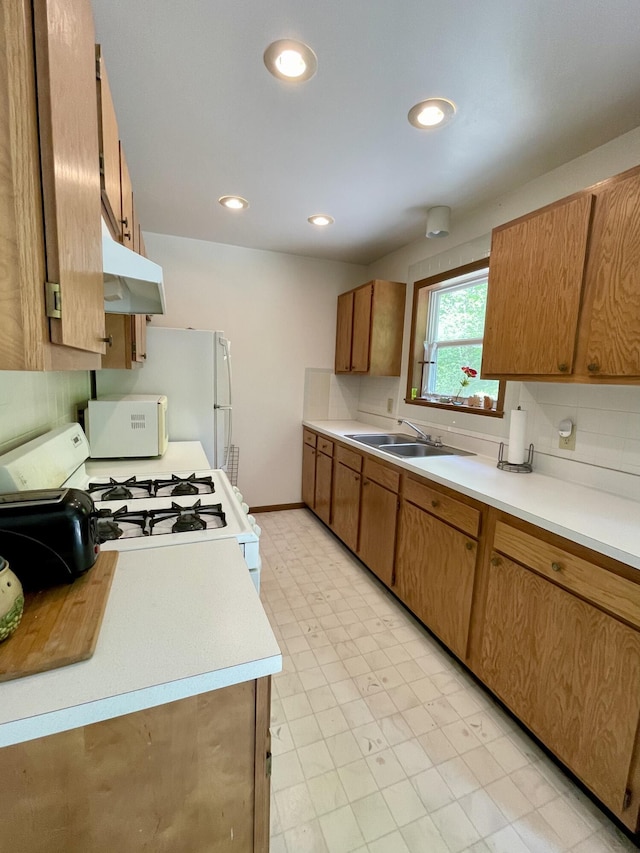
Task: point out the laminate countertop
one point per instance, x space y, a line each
606 523
180 620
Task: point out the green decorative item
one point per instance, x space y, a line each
11 600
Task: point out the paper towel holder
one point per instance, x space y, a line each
514 467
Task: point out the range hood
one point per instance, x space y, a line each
132 283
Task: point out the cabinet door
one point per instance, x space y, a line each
378 529
308 475
109 150
344 327
536 271
362 298
322 499
435 571
346 505
139 338
570 672
69 153
126 202
612 287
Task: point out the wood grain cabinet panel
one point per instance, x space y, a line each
344 330
126 202
570 672
323 484
369 329
308 474
378 513
109 140
612 287
564 289
535 286
435 572
345 516
190 775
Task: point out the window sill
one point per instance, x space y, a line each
456 407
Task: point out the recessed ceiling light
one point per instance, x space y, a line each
321 219
233 202
433 112
290 60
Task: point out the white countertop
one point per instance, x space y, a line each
604 522
179 456
179 621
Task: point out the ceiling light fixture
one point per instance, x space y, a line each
233 202
431 113
321 219
290 60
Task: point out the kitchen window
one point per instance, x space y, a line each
447 334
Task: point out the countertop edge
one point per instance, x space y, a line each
602 546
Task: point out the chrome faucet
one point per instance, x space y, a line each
422 435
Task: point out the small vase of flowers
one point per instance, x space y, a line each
469 373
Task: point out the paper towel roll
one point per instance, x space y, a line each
517 430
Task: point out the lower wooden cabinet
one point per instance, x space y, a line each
189 776
346 504
378 519
435 571
309 475
324 479
571 673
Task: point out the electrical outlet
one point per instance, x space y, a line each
568 442
390 404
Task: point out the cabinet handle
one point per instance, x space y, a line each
127 235
144 355
496 561
125 221
563 367
557 567
469 546
435 503
365 483
594 367
108 340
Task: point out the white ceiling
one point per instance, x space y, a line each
536 83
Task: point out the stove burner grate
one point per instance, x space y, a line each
184 486
110 522
118 490
187 518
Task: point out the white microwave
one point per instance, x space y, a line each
127 426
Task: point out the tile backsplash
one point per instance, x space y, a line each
606 422
32 403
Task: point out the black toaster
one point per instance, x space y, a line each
49 536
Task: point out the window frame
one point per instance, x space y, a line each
419 320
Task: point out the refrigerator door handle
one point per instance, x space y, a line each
226 346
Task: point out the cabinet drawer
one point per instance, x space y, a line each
309 437
325 446
349 458
381 475
598 585
460 515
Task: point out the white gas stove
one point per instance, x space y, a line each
137 510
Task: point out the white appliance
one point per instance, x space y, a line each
132 283
152 510
127 425
192 367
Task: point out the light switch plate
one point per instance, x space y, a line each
390 404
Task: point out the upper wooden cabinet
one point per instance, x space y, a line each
369 329
126 341
564 289
49 189
109 151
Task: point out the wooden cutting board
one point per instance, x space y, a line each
59 625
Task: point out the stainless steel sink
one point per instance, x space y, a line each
405 446
383 438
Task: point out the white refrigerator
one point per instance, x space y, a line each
192 367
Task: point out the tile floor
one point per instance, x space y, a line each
381 742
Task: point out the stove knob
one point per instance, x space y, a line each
257 529
245 507
251 519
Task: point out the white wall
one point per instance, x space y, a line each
279 312
32 403
607 418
